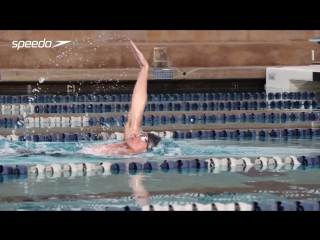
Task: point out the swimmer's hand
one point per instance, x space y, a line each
139 56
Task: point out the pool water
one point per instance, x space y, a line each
97 190
19 152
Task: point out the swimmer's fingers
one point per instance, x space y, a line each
133 45
138 55
134 48
135 51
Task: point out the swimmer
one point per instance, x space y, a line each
135 139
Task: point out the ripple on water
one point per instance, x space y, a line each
31 152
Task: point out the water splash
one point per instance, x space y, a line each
60 152
41 80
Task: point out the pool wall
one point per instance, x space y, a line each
185 49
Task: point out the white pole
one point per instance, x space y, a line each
312 54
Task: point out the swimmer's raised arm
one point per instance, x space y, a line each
134 141
139 95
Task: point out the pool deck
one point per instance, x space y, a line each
100 74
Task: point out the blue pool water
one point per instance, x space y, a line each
15 152
98 190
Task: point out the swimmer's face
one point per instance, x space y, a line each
138 141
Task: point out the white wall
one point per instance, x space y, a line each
291 79
280 77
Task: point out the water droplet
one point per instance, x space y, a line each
35 90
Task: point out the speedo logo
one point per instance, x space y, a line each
37 44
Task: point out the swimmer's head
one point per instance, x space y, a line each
153 141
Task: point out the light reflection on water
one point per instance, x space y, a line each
203 186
